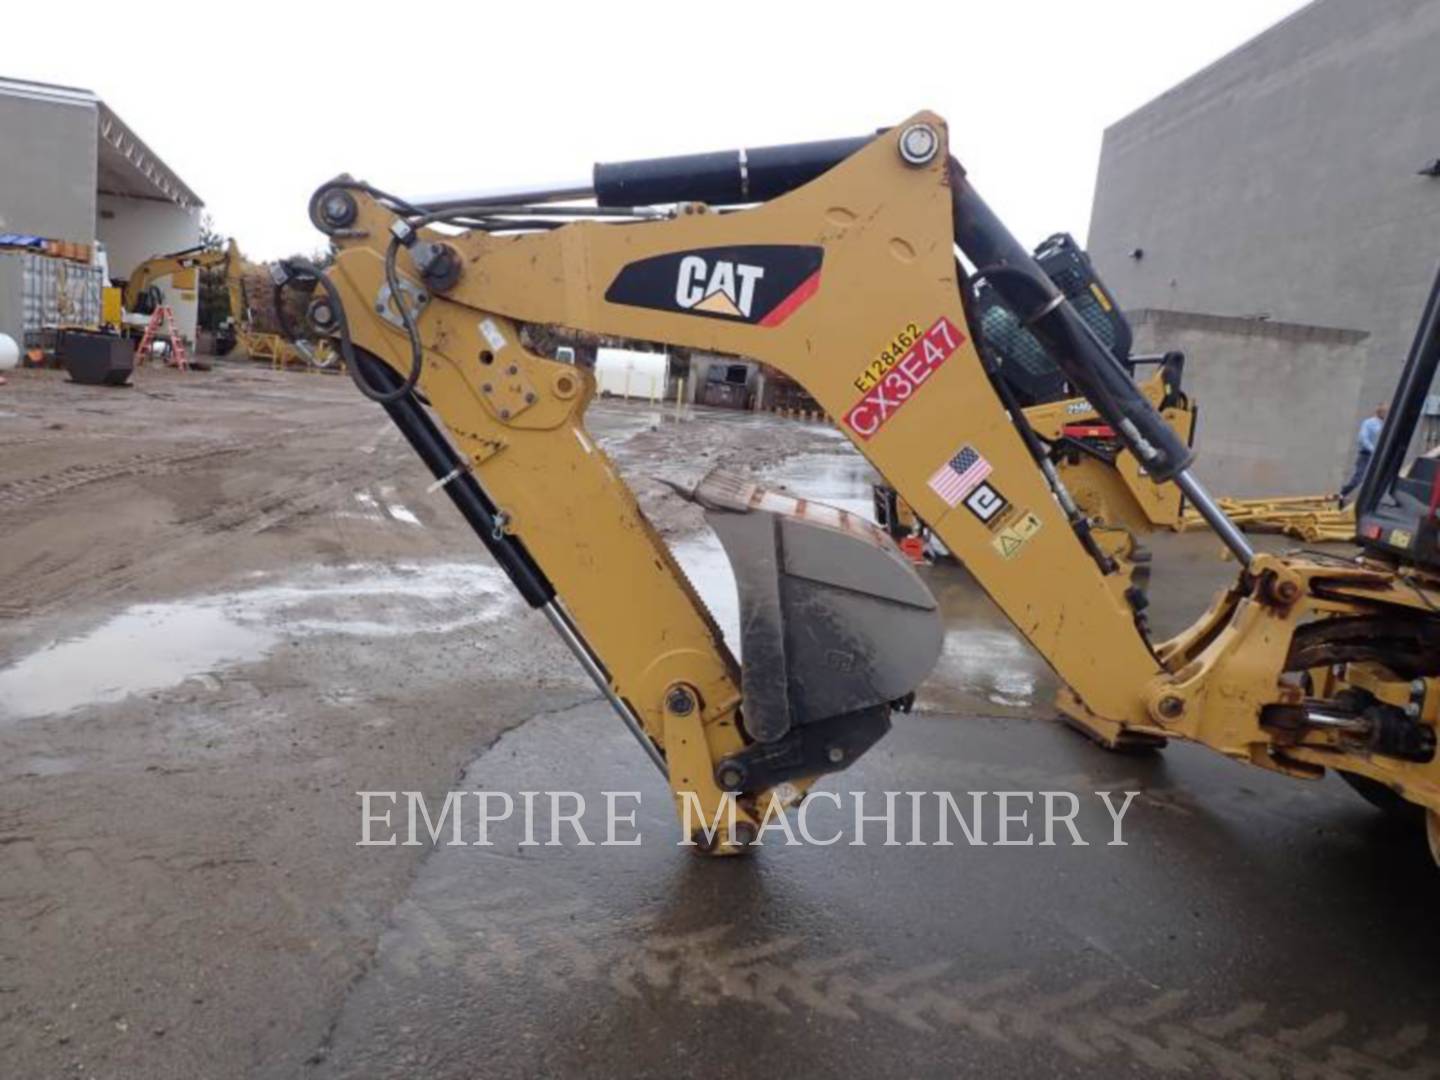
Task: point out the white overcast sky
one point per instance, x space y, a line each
253 104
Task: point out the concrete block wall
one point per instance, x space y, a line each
1277 401
1284 180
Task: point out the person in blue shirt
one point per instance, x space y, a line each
1365 442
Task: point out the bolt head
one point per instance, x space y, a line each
680 701
1171 706
919 143
835 754
338 209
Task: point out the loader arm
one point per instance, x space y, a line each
846 279
235 286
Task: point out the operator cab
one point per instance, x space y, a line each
1022 362
1398 512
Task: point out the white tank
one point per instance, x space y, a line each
9 353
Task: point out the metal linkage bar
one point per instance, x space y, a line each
454 200
1210 510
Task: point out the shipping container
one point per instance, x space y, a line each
38 292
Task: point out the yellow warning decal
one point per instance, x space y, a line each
1009 540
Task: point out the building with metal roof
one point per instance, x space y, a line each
75 175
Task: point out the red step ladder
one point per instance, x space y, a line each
178 356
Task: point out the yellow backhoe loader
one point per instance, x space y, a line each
857 259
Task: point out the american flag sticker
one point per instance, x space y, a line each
958 476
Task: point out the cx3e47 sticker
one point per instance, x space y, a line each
897 385
760 284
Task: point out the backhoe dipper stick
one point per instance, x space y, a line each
478 510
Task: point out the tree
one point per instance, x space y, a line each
214 303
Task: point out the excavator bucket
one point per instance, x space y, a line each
836 628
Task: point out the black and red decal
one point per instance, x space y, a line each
761 284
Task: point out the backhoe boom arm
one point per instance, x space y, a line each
847 281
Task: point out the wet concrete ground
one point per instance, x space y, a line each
1251 927
200 664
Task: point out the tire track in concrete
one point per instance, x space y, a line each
507 939
19 492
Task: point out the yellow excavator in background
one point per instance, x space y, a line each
276 349
857 259
141 295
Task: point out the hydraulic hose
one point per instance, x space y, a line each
306 268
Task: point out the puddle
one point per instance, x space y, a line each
985 664
41 765
378 509
708 568
988 666
145 648
153 646
612 423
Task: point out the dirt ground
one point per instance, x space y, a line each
227 603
